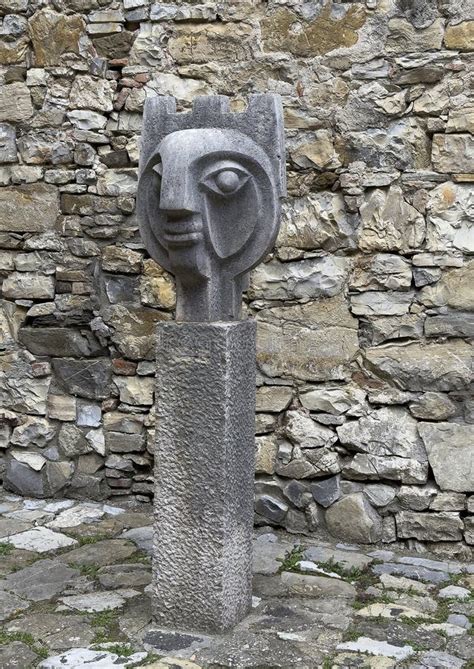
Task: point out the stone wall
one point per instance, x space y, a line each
364 309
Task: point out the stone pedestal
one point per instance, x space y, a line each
204 470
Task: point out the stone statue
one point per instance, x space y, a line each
209 197
209 204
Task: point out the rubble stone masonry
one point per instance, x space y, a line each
364 309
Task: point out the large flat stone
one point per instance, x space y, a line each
42 581
450 454
10 526
53 35
57 631
374 647
416 572
142 537
101 553
11 605
416 366
89 379
61 342
41 540
95 602
29 208
15 102
353 519
16 654
307 585
84 657
316 341
442 526
389 431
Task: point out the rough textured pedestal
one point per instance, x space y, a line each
204 474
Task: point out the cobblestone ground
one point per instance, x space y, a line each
74 593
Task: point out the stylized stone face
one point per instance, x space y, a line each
208 188
209 212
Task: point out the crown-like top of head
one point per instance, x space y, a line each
262 121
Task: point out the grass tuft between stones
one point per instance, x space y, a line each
292 558
122 649
27 639
5 549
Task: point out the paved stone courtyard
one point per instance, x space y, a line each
74 593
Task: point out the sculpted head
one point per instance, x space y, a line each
209 201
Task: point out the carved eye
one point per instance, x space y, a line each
226 181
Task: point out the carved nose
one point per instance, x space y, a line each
177 214
176 196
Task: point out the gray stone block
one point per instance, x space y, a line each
204 462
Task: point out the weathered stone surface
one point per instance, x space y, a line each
61 407
321 35
90 93
335 400
28 285
403 36
89 379
54 35
273 398
40 540
117 259
449 451
318 277
19 389
389 223
353 519
57 631
414 366
33 431
460 36
200 43
327 491
60 342
315 341
389 431
364 466
453 290
267 450
10 605
449 218
7 144
15 103
442 526
307 585
133 330
432 406
30 208
42 581
452 153
381 271
378 303
17 654
101 553
316 221
302 430
135 390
